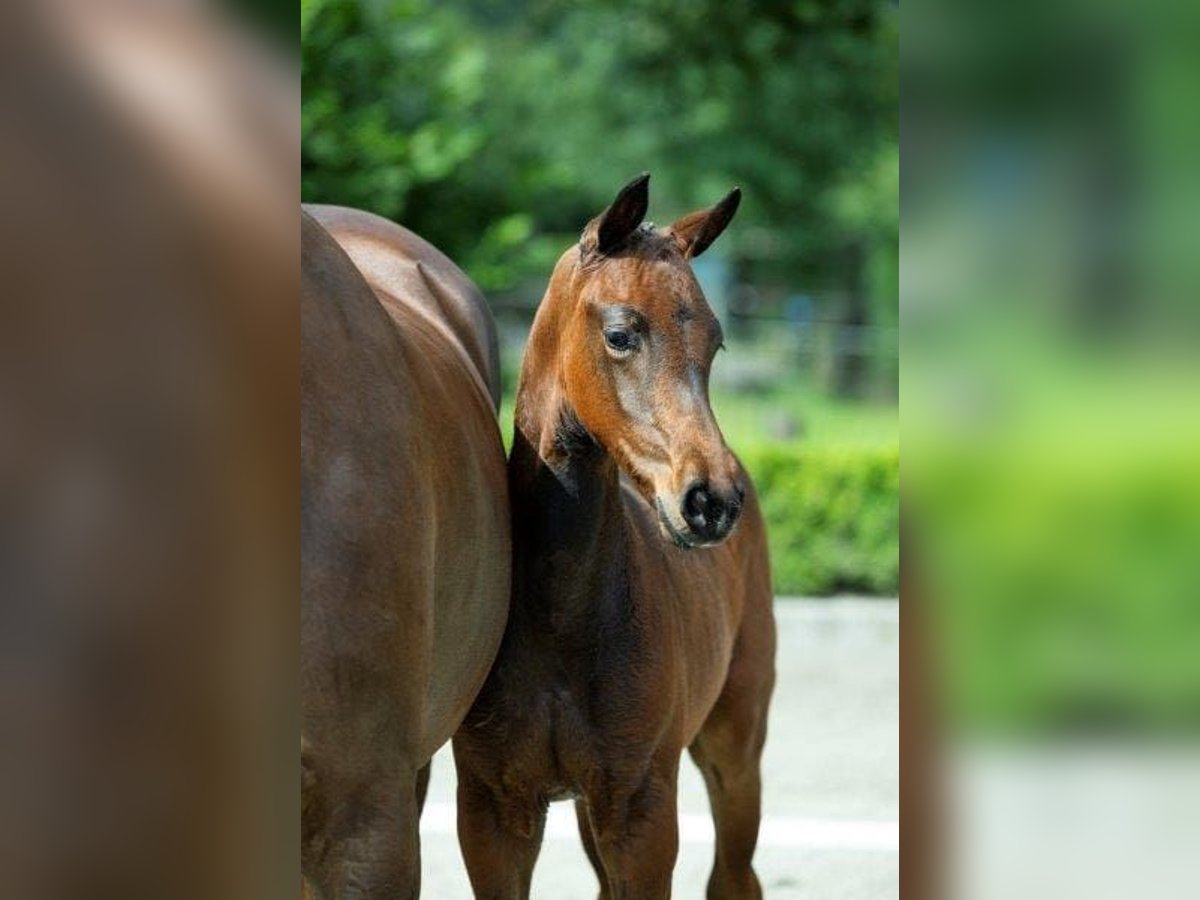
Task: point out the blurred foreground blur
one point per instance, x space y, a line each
148 380
1049 295
1049 287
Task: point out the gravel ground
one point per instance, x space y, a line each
830 770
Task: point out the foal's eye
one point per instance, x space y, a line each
619 340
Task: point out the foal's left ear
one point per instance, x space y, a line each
696 231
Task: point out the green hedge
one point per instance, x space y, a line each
833 516
1063 583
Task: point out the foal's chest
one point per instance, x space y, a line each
561 742
551 743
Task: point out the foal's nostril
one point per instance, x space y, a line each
697 503
707 513
732 511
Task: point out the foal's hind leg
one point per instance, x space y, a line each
728 751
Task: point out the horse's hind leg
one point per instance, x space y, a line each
385 862
728 751
378 854
358 840
423 785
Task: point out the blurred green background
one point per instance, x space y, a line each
497 129
1051 316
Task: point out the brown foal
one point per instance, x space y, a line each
641 619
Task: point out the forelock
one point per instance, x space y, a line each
651 242
647 242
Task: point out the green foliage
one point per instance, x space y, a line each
1065 584
390 98
833 517
496 129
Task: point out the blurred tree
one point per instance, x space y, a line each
496 128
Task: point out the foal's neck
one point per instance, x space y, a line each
570 535
569 531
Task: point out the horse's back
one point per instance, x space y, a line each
409 272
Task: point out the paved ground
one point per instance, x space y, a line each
1074 818
831 775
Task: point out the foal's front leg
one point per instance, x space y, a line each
499 843
636 831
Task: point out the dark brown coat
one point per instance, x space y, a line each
404 538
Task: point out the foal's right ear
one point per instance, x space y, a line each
696 231
609 230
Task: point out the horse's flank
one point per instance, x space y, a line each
405 554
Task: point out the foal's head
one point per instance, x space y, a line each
637 340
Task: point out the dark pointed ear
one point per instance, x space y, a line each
609 230
696 231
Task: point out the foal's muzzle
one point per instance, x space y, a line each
711 513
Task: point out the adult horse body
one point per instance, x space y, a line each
641 620
405 546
